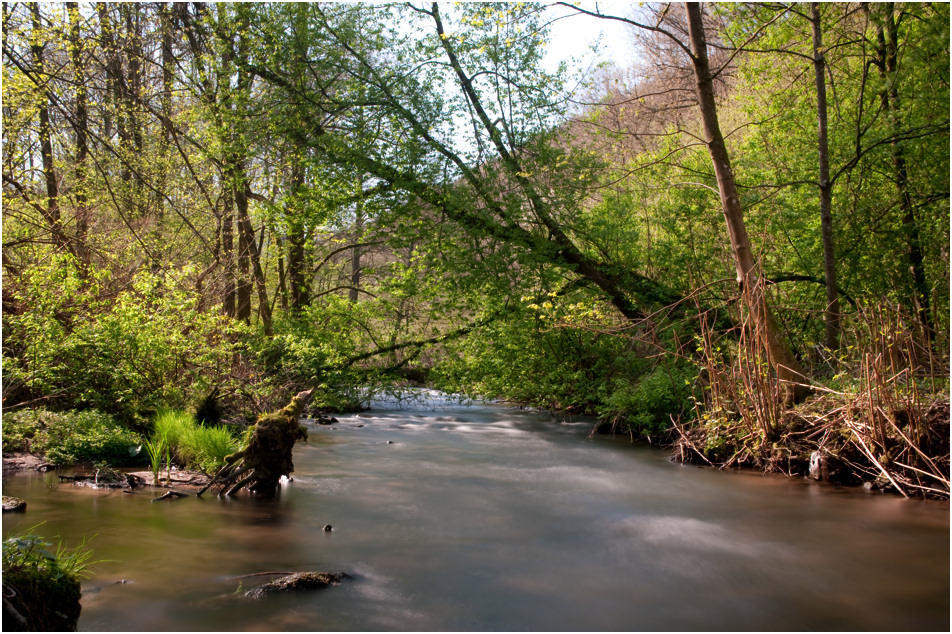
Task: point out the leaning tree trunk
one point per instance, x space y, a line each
260 465
778 352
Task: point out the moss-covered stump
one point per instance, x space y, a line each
40 600
267 455
298 581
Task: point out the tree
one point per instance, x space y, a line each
887 62
749 277
496 189
826 185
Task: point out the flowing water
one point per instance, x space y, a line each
481 517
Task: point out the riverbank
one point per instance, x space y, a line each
87 475
852 440
485 517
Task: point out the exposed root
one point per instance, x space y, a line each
267 455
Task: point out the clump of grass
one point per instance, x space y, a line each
188 443
208 446
41 586
157 448
173 426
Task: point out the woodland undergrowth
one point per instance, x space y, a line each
877 416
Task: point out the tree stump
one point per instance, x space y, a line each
267 455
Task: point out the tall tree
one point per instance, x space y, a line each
503 190
832 337
748 273
887 38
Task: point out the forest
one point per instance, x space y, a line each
736 246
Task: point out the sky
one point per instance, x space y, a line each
573 36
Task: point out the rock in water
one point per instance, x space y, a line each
11 503
818 466
298 581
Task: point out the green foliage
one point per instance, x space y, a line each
42 585
173 426
158 451
178 437
644 404
524 360
66 438
123 354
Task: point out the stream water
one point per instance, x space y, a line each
481 517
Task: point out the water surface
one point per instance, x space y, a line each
481 517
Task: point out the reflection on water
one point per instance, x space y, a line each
477 517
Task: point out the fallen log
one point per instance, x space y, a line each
267 455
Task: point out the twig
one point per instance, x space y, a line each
259 574
171 494
876 462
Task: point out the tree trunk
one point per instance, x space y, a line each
230 293
355 252
52 208
245 245
110 99
751 284
132 97
267 457
887 35
254 254
297 253
832 338
76 50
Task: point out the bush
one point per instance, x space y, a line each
117 346
66 438
529 362
644 405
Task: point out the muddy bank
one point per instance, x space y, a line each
107 478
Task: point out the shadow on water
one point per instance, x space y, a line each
481 517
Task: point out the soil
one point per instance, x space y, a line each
17 461
180 478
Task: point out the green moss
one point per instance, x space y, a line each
41 601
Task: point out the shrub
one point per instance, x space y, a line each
529 362
644 405
69 437
116 345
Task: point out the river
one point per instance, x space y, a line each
481 517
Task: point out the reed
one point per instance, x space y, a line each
881 419
157 449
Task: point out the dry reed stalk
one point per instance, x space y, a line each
876 428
